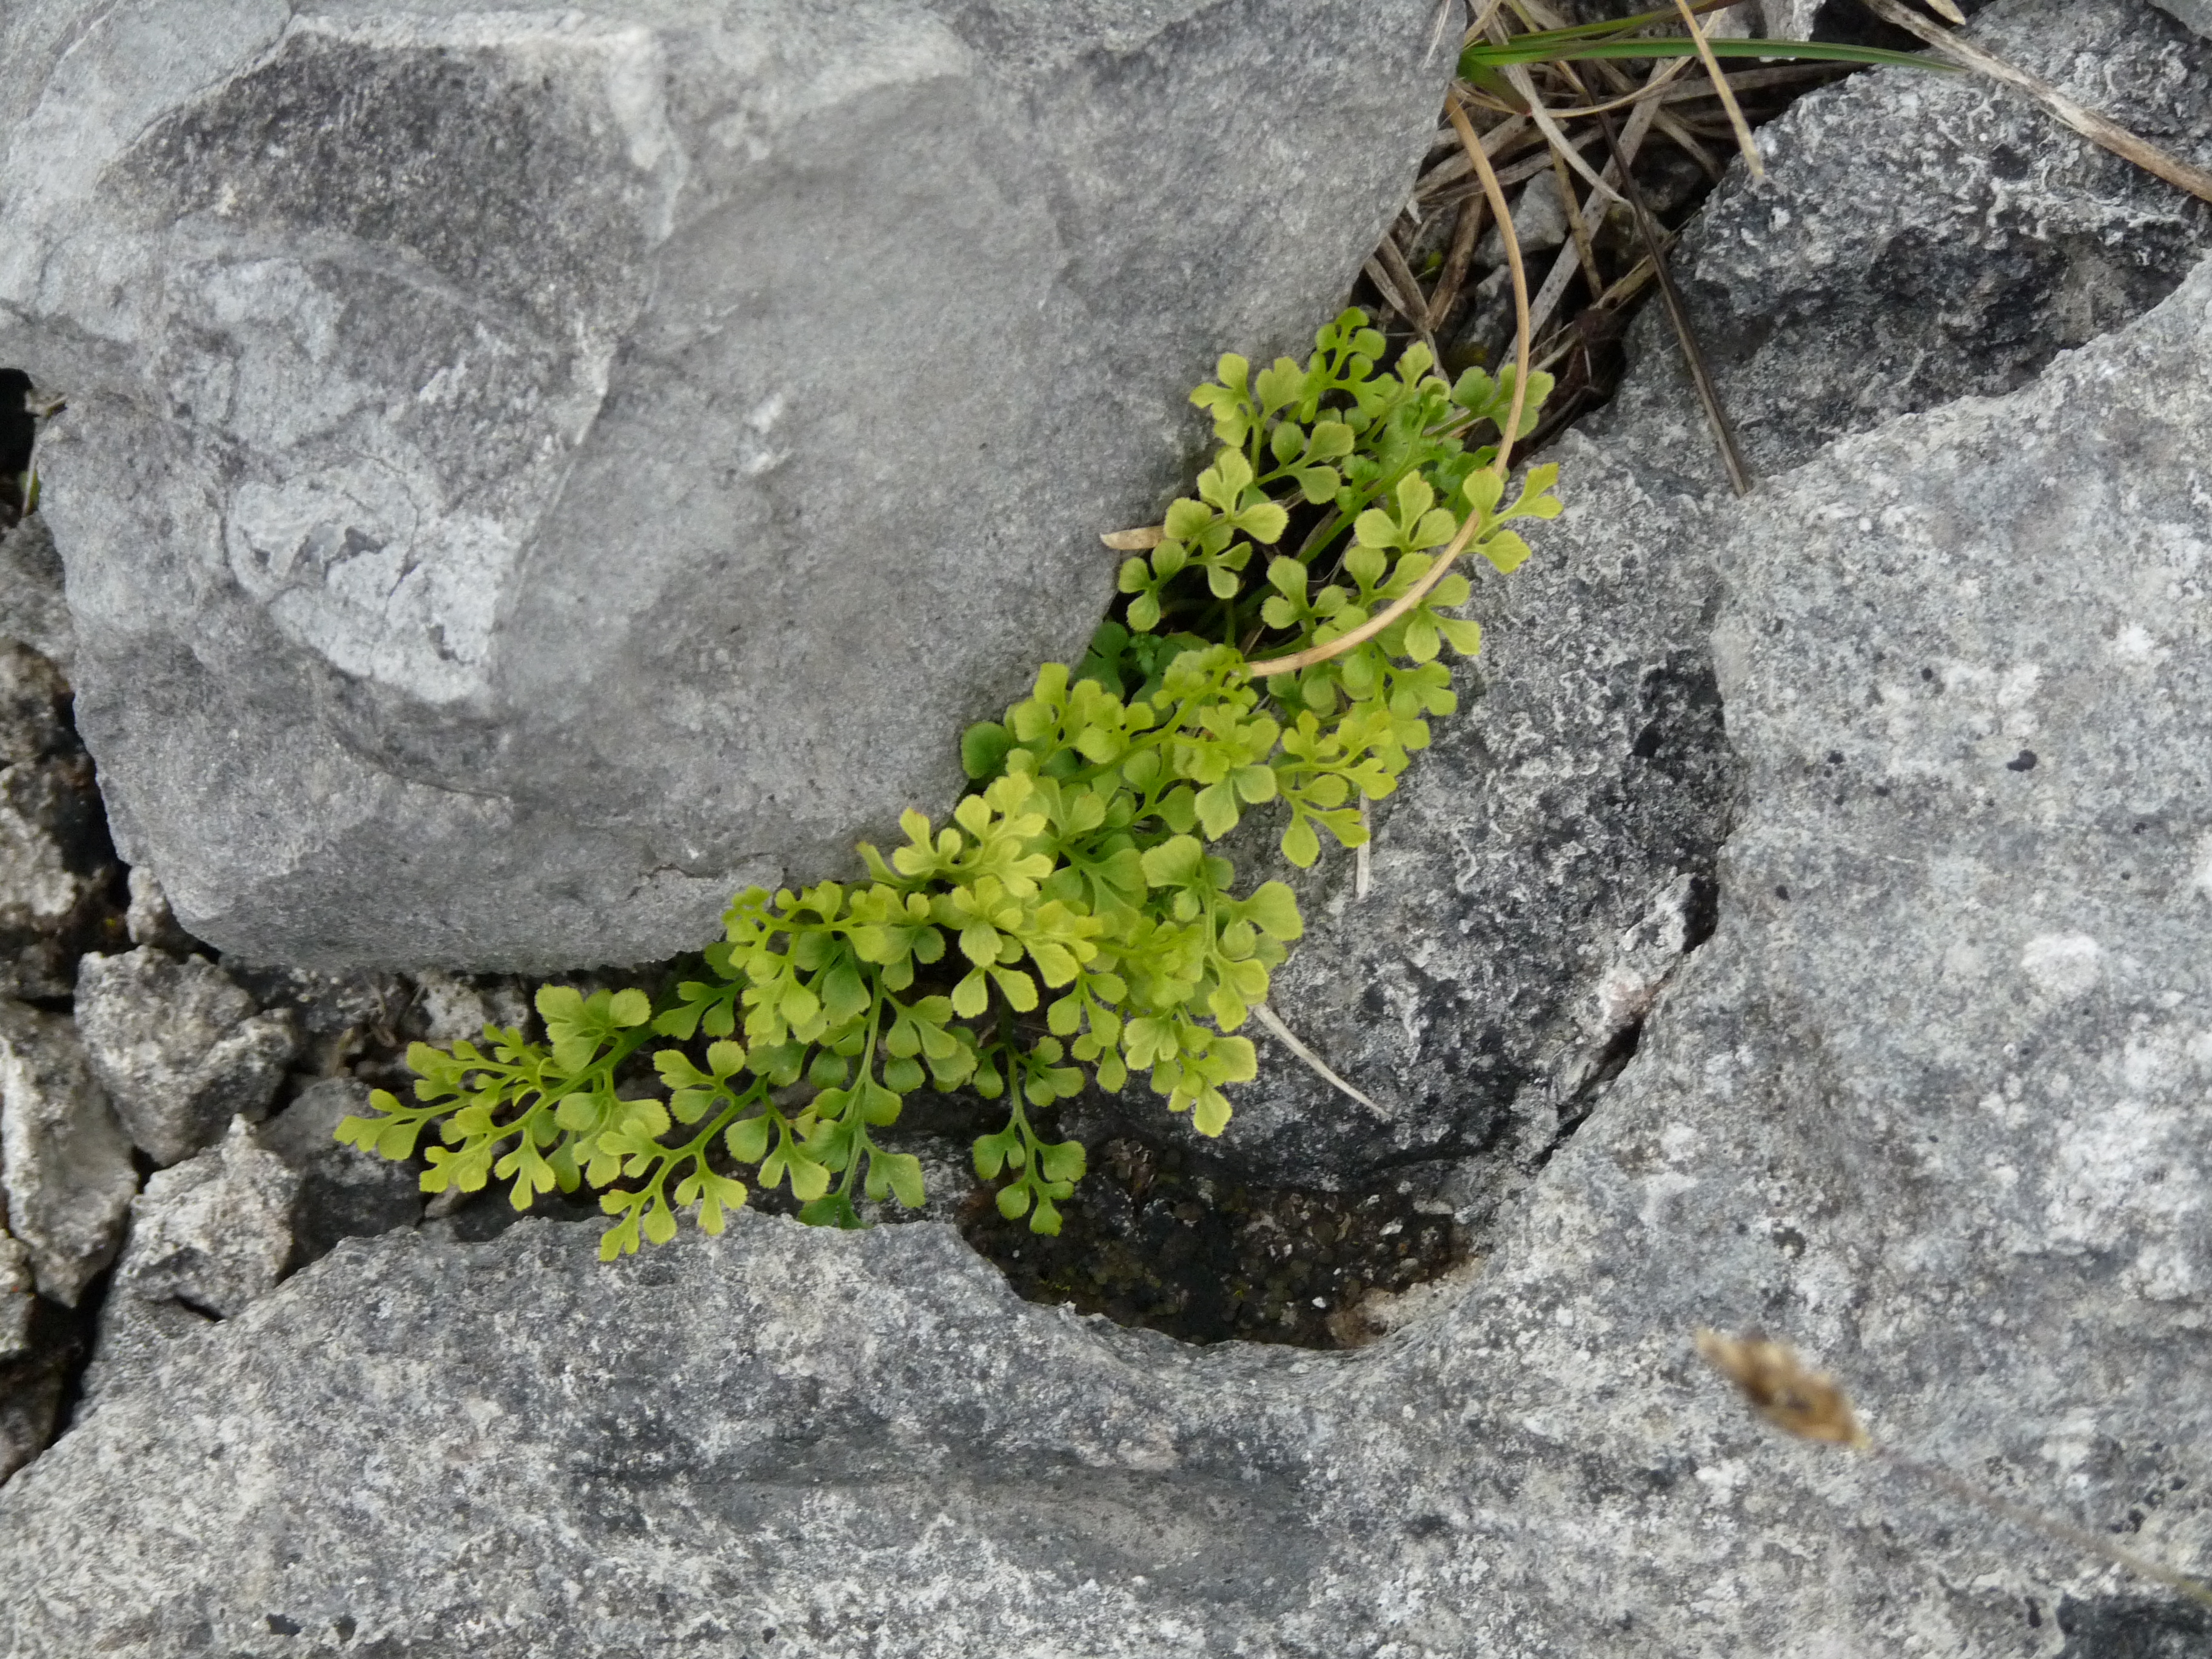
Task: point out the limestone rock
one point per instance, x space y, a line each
149 921
181 1049
1586 775
344 1192
18 1293
34 706
1896 256
33 609
32 1371
57 868
531 471
1980 238
64 1162
208 1238
1928 1104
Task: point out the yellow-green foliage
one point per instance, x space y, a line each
1070 921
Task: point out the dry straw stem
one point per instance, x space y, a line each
1808 1404
1283 1033
1678 313
2096 128
1743 138
1523 347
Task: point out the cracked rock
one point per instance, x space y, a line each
344 1192
208 1238
1929 1104
1981 238
34 1367
56 871
64 1160
407 324
179 1046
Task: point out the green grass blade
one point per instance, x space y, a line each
1551 48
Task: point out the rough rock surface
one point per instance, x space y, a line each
64 1161
531 471
56 866
2195 12
1586 776
1931 1103
344 1192
1981 239
33 1368
181 1049
1918 238
33 609
208 1238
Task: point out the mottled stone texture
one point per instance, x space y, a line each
1923 236
530 472
65 1165
1931 1103
1586 774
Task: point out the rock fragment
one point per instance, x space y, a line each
149 921
208 1238
181 1049
34 1362
56 870
344 1192
64 1161
388 338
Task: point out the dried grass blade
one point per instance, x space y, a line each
1744 141
2098 128
1678 313
1523 352
1284 1035
1518 77
1593 213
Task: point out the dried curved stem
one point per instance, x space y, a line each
1522 351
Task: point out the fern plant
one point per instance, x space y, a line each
1071 920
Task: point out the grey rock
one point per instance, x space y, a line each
2195 12
1586 774
1928 1104
529 472
149 921
208 1238
1981 238
181 1049
18 1294
33 610
34 706
457 1007
1589 769
56 878
344 1192
334 1015
32 1372
64 1162
56 870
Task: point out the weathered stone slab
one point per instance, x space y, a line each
64 1162
530 472
1931 1102
1922 236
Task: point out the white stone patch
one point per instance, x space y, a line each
2128 1179
2062 964
2136 644
350 566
